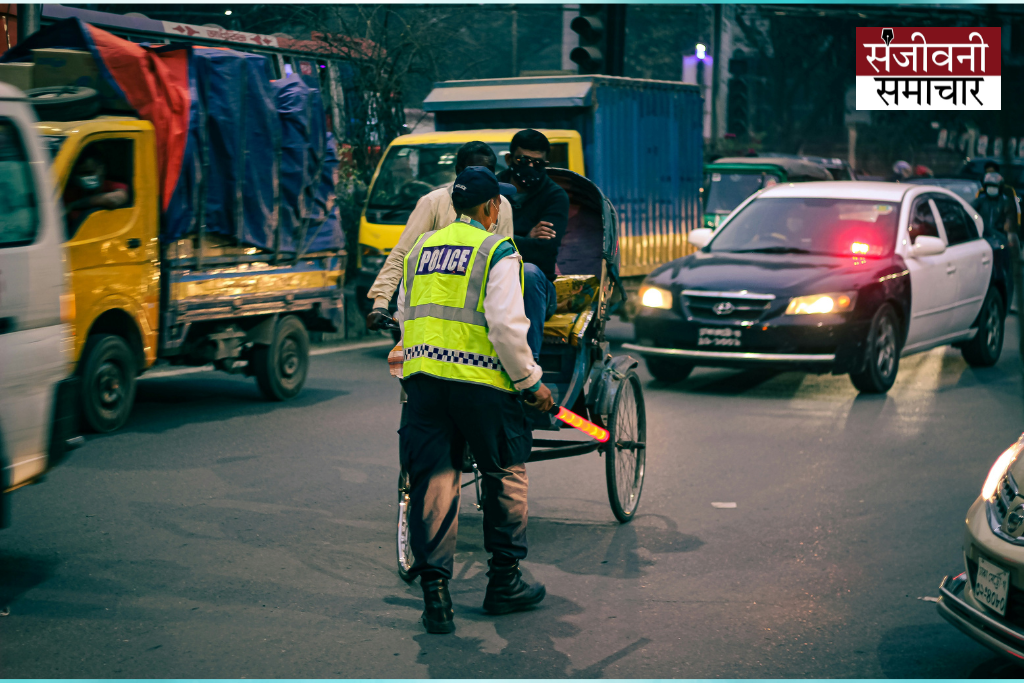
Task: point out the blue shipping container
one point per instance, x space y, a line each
642 145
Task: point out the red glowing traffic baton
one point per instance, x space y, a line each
586 426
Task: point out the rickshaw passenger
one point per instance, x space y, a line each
540 214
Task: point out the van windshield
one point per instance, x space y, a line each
410 171
723 192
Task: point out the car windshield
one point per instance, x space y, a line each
811 225
723 192
411 171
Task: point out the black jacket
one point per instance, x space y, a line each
995 210
548 202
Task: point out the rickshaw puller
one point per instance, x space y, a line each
467 359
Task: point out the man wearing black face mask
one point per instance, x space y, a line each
540 213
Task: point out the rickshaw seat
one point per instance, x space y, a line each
576 294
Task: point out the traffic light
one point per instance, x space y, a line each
602 32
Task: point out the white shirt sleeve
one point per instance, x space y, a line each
507 324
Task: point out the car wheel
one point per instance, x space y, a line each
108 382
882 355
668 369
983 351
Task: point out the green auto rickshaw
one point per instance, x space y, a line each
730 180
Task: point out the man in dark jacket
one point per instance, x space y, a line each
540 213
997 208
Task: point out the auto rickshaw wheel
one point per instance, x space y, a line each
626 449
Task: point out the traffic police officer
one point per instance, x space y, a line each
460 306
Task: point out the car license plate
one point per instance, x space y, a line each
719 336
992 585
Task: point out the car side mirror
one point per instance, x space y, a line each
926 245
700 238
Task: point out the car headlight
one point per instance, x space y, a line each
1000 468
655 297
836 302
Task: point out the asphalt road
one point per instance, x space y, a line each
218 535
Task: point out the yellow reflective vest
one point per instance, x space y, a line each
445 331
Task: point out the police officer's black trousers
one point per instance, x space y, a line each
442 416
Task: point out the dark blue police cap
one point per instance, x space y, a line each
476 184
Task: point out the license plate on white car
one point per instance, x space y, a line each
992 585
719 337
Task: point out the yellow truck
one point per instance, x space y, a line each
412 166
189 302
236 265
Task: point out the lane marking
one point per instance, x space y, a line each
322 351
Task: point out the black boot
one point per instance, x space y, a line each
438 615
507 592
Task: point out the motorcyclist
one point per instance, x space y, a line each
901 170
997 208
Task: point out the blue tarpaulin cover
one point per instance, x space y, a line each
262 147
243 156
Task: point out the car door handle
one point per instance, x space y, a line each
950 269
8 325
134 243
985 260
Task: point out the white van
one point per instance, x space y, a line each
35 308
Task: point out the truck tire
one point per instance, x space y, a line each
108 371
281 367
64 103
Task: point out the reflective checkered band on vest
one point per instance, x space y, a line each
477 360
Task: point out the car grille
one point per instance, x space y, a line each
1006 491
725 306
1014 599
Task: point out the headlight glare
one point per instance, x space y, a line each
837 302
655 297
1000 467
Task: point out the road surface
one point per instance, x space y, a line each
219 535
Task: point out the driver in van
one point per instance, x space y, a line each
89 188
433 211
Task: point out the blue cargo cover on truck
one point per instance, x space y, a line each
255 163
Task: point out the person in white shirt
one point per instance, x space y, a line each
433 211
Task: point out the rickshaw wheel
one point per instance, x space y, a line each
404 549
626 452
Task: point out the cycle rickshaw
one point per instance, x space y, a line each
578 368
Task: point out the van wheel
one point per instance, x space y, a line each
64 103
668 369
108 382
983 351
281 367
882 355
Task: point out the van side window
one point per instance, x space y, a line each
922 221
100 180
19 215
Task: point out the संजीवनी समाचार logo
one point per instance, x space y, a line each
930 68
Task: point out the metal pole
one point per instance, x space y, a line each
515 43
716 71
29 17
